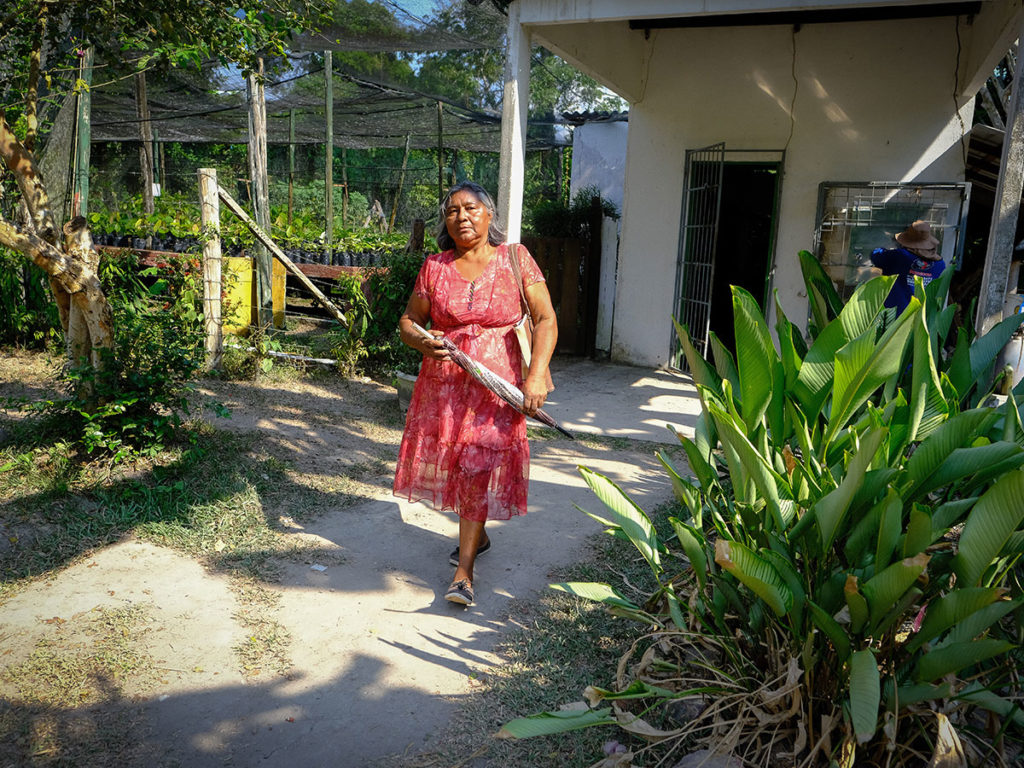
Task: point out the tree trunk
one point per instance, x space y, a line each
85 314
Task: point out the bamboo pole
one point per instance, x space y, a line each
80 195
329 154
264 238
260 191
344 187
291 164
440 153
145 147
209 209
401 181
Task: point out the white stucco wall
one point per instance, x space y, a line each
599 159
873 102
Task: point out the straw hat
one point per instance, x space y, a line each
917 235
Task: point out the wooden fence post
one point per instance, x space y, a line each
209 206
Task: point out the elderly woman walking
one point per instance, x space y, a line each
464 449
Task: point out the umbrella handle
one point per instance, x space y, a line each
422 331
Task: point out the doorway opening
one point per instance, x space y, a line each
727 238
746 240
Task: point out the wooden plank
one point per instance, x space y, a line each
568 322
264 238
209 211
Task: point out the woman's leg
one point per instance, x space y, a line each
471 535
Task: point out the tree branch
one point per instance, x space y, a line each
68 272
30 182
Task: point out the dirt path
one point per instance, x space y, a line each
374 660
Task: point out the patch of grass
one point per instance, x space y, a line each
207 499
265 650
65 704
85 662
561 645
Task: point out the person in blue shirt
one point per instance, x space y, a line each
916 256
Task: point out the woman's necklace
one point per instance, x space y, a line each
472 289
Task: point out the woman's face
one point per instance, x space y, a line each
467 219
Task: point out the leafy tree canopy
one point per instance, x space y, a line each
145 33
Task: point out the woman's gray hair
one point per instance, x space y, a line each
495 234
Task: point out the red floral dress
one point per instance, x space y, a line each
464 448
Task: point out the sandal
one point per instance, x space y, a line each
460 592
453 558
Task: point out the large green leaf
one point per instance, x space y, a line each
947 515
627 515
865 694
861 311
957 656
951 609
814 381
755 357
692 541
548 723
821 293
976 694
598 592
856 603
831 509
984 350
889 529
919 531
833 630
883 590
685 491
957 432
996 515
959 368
793 580
964 462
925 388
1013 427
863 365
791 346
751 466
756 573
700 369
700 463
605 594
725 365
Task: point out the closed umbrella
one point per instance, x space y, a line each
504 389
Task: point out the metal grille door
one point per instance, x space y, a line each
699 236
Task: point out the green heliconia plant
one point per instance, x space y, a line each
853 518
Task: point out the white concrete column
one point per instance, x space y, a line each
1002 231
514 106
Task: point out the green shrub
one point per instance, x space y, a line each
552 218
349 348
390 287
841 587
133 402
28 313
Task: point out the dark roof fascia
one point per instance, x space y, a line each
817 16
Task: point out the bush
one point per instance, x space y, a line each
841 588
133 402
552 218
28 313
390 287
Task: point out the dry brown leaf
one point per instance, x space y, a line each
949 752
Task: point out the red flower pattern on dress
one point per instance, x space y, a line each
464 449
